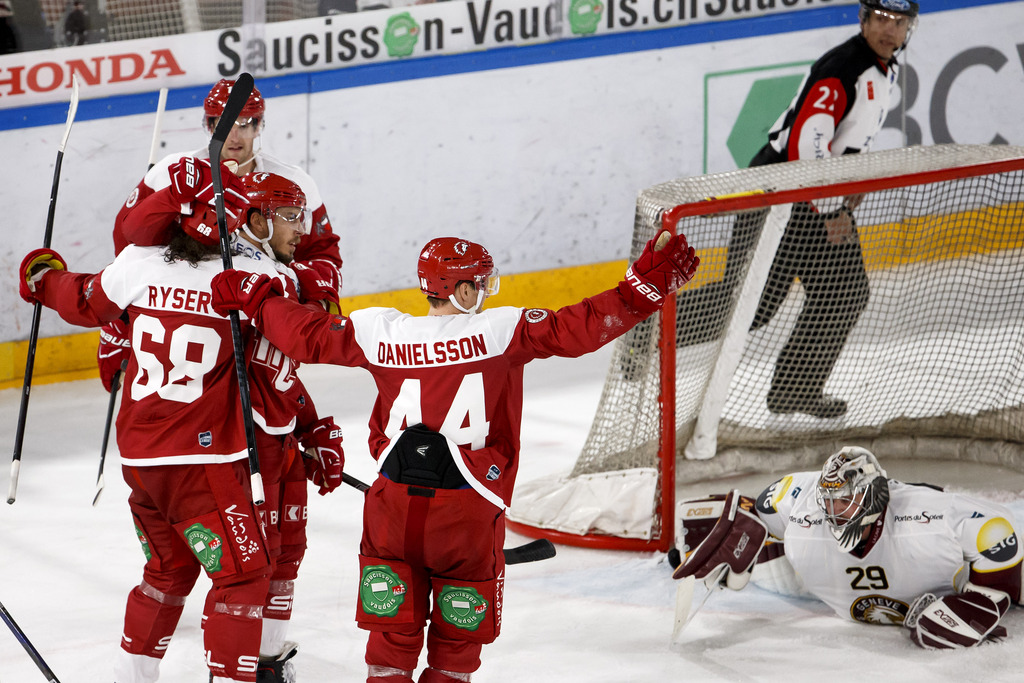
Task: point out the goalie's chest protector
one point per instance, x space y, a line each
917 553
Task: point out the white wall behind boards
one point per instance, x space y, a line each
541 163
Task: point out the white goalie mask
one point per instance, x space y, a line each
852 491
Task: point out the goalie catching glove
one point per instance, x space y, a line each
323 455
727 555
957 621
666 264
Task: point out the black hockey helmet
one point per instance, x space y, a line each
907 7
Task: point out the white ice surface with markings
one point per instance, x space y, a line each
589 616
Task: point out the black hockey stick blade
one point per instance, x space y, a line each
534 551
237 98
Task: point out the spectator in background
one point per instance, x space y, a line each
8 33
76 25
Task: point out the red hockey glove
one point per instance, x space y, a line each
324 457
727 555
957 621
192 180
33 267
237 290
319 281
665 265
112 353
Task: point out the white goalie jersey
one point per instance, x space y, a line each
930 541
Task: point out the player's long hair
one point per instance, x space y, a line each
183 247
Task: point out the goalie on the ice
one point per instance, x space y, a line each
876 550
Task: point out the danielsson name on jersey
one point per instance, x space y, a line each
460 375
927 537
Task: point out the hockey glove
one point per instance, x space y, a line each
237 290
33 267
192 180
113 351
319 281
957 621
324 457
665 265
727 555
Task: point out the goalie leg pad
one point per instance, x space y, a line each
728 553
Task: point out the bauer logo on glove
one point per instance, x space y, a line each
666 264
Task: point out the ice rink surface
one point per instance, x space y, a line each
590 616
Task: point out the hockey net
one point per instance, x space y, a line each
933 366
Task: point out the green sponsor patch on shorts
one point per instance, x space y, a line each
462 607
145 543
381 592
207 546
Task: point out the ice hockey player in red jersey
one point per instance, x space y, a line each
277 222
946 566
296 444
182 375
445 433
182 443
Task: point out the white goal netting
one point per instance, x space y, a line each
907 338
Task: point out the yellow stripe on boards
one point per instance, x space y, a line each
927 238
73 356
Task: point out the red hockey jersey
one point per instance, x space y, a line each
460 375
181 400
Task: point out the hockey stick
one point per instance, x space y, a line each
33 339
232 108
154 145
115 382
685 611
534 551
25 643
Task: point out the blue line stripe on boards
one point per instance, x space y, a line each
484 60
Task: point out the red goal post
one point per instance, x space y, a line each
930 354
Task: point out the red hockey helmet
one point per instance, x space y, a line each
202 224
269 192
446 261
215 102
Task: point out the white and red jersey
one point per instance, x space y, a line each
840 107
321 243
180 403
929 541
460 375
